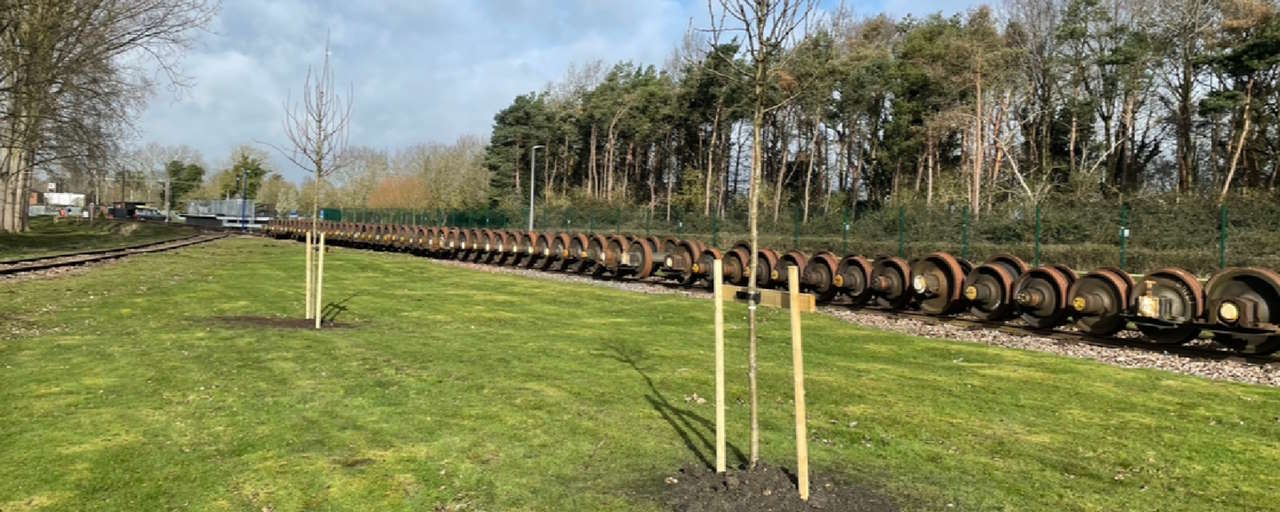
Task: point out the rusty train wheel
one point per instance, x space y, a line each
938 280
578 244
768 261
705 266
1165 304
890 282
542 256
736 263
1098 301
989 287
640 256
819 275
684 261
615 253
1014 263
1041 294
1245 299
793 258
527 248
853 277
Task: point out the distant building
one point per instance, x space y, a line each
63 199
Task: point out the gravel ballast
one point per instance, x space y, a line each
1126 357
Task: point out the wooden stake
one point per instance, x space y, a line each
797 361
320 283
309 281
718 273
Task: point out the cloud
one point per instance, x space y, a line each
421 71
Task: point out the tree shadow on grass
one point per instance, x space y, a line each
687 424
329 313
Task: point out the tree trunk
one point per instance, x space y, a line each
1235 157
808 174
711 152
753 213
979 144
928 170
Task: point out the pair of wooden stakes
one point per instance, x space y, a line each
795 302
315 277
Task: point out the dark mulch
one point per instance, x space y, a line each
766 488
274 322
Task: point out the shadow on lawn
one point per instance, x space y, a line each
329 313
685 422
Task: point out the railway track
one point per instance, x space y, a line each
37 264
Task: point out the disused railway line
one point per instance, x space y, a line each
43 263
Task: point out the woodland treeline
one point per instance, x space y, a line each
1032 100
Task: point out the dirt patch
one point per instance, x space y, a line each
274 322
767 488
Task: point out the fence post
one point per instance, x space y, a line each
1222 237
1037 263
844 242
902 228
964 234
591 224
1124 235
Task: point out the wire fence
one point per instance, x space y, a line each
1136 236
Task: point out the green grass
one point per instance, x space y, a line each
454 389
49 236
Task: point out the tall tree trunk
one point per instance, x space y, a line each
930 152
753 213
1244 132
979 146
711 152
591 163
808 174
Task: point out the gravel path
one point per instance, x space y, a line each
1126 357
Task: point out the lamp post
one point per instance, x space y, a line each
532 159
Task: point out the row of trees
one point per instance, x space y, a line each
1034 100
420 177
72 75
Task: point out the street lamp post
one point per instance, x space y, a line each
532 160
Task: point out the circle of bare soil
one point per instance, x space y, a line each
274 322
766 488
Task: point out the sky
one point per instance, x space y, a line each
420 71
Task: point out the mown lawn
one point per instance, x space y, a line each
49 237
451 389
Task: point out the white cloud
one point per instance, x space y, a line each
421 70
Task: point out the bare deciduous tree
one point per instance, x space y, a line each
767 26
316 127
72 73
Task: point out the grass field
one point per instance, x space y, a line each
48 237
130 387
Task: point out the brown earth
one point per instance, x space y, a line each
766 488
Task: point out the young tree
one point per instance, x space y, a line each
767 26
316 127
